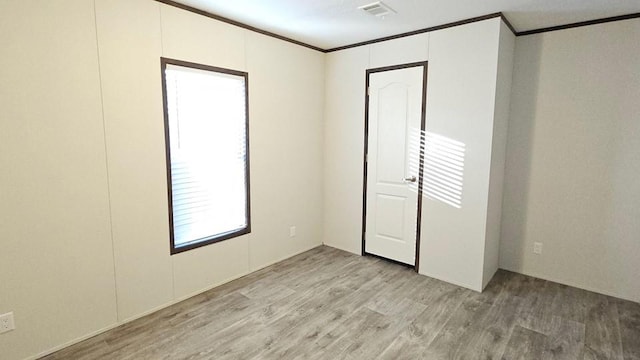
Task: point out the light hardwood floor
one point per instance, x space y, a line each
329 304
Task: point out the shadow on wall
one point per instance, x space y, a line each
524 97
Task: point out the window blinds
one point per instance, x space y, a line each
207 136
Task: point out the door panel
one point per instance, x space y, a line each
391 155
390 216
394 125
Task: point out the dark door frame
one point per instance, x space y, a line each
368 72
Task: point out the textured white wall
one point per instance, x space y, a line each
134 139
498 153
55 230
83 215
573 159
460 106
344 148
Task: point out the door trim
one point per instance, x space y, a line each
368 72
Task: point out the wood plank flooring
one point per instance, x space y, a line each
329 304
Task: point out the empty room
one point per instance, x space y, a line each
320 179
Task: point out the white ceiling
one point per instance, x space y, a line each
333 23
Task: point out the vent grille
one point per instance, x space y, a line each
377 8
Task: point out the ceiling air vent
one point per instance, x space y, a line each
377 8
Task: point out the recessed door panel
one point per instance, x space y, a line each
390 216
392 105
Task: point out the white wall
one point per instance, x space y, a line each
573 159
56 257
498 153
135 139
461 101
287 93
460 106
344 148
84 222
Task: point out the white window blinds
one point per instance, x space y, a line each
206 116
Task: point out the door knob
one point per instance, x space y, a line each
410 179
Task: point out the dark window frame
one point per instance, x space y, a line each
224 236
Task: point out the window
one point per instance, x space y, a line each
206 140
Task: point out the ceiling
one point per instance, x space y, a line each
333 23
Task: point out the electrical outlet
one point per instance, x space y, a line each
292 231
6 322
537 248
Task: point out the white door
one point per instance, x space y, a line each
394 116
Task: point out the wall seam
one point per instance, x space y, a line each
173 271
246 68
323 146
106 162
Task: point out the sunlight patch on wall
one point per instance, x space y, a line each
415 156
443 176
443 159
